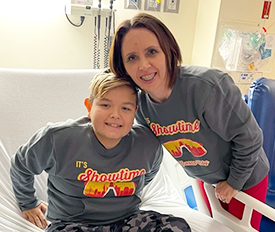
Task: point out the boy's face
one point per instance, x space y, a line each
113 115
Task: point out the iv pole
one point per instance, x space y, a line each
96 61
107 38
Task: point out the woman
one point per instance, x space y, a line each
196 112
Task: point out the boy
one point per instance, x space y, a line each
97 167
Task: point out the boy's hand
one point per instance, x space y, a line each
225 192
36 216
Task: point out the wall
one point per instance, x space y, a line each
211 14
205 32
249 13
36 33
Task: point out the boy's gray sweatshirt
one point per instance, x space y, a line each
86 183
208 128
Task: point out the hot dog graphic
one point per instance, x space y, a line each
120 182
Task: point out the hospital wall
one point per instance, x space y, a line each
36 33
250 13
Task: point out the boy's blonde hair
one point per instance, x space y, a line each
105 81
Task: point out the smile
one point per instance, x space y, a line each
148 77
113 125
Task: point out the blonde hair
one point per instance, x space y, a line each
105 81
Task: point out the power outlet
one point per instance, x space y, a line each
132 4
152 5
171 6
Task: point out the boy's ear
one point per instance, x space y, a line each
88 104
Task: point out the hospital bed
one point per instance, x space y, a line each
31 98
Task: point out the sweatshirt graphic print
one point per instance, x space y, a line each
98 185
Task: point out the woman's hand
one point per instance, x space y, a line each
36 216
225 192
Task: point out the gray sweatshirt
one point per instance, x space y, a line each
208 128
86 182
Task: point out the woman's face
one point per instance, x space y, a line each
145 62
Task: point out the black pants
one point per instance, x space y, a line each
141 221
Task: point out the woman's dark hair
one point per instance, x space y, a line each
165 38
